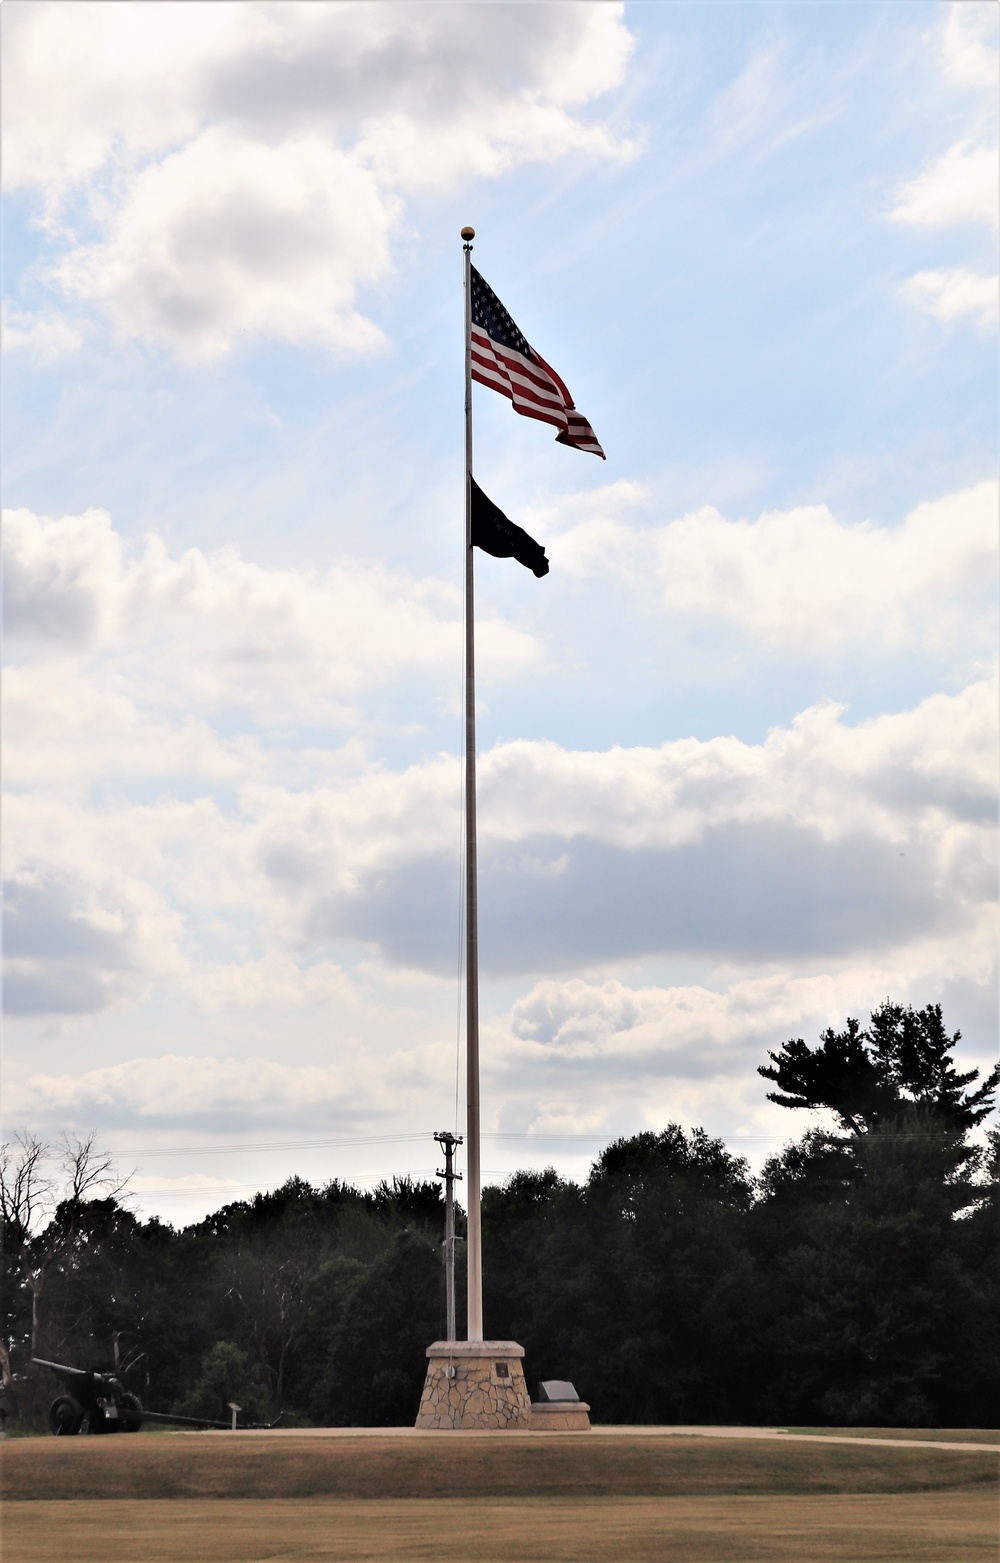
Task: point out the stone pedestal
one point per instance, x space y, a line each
560 1416
474 1384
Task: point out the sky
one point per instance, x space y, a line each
737 750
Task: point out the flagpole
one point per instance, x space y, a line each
474 1330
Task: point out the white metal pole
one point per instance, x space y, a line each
475 1246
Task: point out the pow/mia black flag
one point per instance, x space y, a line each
496 535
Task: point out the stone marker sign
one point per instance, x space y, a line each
559 1409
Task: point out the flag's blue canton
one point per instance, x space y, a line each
490 315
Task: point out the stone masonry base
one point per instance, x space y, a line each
560 1416
474 1384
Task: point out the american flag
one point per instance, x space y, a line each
502 359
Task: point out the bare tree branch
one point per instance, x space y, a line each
25 1191
30 1199
86 1170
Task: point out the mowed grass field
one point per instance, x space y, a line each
188 1498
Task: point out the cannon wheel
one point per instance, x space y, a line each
131 1405
65 1416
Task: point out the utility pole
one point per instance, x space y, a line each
448 1142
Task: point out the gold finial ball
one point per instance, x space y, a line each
468 233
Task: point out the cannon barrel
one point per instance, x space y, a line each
182 1421
73 1374
196 1421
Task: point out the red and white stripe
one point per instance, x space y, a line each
533 387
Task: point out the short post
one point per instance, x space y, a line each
448 1142
234 1408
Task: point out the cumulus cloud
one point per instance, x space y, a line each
693 1031
68 725
950 294
86 82
963 186
151 1091
227 238
602 1054
571 1056
146 670
245 164
276 981
82 81
285 645
59 958
802 579
79 941
823 840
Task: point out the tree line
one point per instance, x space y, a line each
854 1281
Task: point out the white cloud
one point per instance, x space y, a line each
891 776
824 838
582 1054
246 164
228 237
571 1055
88 82
275 982
45 336
148 1090
185 834
696 1031
800 578
950 294
67 726
963 186
197 633
139 671
82 931
83 81
969 43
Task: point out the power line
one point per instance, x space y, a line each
541 1141
234 1148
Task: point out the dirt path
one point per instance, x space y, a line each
898 1440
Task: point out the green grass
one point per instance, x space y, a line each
218 1466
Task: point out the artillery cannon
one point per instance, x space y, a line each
92 1403
99 1403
